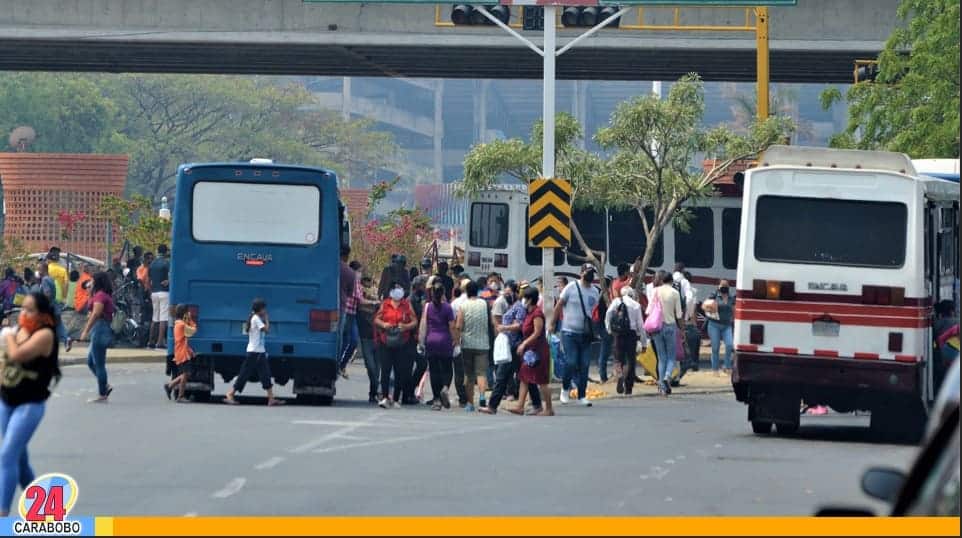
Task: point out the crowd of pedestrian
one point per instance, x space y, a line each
434 327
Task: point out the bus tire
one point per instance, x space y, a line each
201 396
325 401
786 429
761 427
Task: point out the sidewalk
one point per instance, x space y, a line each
116 355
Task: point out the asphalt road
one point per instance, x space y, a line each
685 455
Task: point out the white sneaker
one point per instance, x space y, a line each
564 397
397 405
384 403
584 402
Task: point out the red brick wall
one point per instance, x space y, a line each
37 186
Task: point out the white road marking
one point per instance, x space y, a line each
396 440
267 464
232 488
190 514
347 429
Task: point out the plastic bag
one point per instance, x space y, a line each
655 318
502 349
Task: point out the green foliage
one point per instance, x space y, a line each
136 220
163 121
13 253
68 112
913 105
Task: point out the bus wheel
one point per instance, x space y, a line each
786 429
325 401
761 427
201 396
305 399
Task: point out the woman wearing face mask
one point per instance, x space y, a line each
396 323
30 365
719 313
534 375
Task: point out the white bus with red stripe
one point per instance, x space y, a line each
497 224
842 256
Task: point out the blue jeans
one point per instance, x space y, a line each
101 336
665 346
577 350
17 425
349 339
62 333
718 332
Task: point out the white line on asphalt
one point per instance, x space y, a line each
267 464
310 445
405 439
190 514
358 424
232 488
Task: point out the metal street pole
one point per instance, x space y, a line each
547 153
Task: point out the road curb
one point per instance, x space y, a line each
143 359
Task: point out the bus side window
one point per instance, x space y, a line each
591 224
629 238
731 228
696 247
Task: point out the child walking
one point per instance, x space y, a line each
184 328
257 326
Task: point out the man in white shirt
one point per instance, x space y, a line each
683 285
624 322
577 300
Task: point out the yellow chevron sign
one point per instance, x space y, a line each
549 213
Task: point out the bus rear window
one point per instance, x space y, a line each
830 232
266 213
489 225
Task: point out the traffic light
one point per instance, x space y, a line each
468 15
586 17
532 18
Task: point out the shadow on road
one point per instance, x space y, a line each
840 433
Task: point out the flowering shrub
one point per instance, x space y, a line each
404 231
68 221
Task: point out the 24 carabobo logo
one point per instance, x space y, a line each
45 505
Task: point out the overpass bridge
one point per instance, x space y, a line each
814 41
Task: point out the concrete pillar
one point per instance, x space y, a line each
439 131
346 98
483 112
579 108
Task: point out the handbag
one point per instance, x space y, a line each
656 317
394 338
502 349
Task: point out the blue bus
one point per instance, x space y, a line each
258 229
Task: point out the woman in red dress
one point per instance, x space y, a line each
532 330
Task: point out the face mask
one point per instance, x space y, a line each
397 294
30 323
495 286
509 298
590 276
723 290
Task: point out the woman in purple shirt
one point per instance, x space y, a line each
437 336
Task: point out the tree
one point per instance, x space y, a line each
136 220
514 158
653 143
913 104
353 147
783 102
68 112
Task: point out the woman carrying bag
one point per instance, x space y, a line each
396 323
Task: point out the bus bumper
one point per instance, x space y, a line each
820 375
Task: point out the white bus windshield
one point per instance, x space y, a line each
830 232
266 213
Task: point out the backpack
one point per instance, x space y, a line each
677 285
621 323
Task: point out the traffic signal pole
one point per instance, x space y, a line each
549 53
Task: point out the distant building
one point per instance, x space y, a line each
38 186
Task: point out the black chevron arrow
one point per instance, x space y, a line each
549 210
549 233
551 186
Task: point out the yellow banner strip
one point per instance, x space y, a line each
539 526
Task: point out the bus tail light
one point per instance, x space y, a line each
474 259
773 290
500 260
895 342
323 321
883 295
756 334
